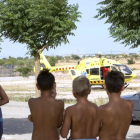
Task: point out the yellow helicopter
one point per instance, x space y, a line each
94 69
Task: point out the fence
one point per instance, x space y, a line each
7 71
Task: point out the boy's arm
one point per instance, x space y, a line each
61 115
30 104
97 123
4 98
67 124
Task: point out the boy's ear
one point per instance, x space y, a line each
104 87
122 88
54 85
90 91
37 86
74 94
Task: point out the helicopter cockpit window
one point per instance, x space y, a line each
124 69
87 70
94 71
114 69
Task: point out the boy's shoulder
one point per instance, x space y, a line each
93 105
32 100
71 108
103 108
129 102
59 102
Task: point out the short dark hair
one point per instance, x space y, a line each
81 86
45 80
114 81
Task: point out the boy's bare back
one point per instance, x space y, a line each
115 122
79 118
47 116
82 117
113 119
46 112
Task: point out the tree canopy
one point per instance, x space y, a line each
124 17
38 23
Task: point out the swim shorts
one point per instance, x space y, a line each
1 124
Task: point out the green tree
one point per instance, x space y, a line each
75 57
52 60
67 57
39 24
11 61
24 71
124 17
19 58
2 62
60 57
130 61
20 62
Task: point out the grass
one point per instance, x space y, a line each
20 97
64 90
25 97
17 88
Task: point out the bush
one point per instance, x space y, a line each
24 71
75 57
52 60
130 61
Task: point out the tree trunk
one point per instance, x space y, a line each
37 70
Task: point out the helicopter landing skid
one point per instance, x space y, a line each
126 85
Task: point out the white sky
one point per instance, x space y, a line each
91 36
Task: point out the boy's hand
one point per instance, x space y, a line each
30 118
3 97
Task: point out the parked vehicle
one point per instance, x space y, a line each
136 99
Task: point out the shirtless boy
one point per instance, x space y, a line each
80 117
113 119
46 112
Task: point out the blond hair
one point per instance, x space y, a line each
81 86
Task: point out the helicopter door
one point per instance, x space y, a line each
95 74
88 74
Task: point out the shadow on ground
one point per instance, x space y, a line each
97 88
17 126
135 123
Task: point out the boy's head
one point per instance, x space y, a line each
81 86
114 82
45 80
